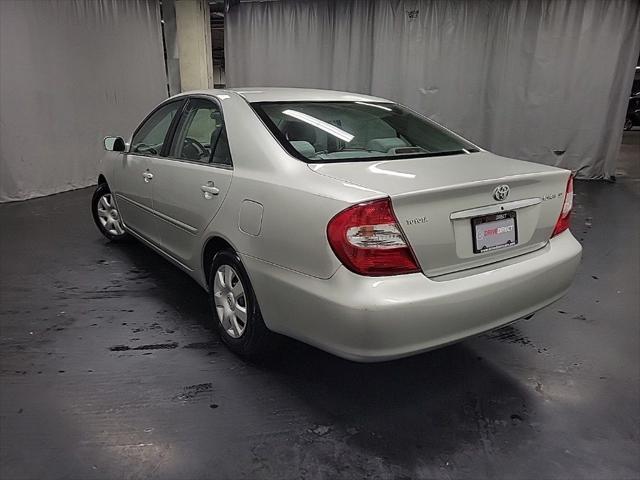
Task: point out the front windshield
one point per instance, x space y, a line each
352 131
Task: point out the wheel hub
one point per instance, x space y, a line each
231 300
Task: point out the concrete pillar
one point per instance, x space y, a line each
190 41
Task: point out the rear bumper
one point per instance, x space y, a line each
375 319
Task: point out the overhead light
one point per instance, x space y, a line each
327 127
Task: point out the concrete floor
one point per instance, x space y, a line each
109 369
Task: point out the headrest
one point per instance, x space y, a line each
385 144
305 148
299 131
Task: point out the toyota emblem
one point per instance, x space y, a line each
501 192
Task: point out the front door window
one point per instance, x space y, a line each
150 136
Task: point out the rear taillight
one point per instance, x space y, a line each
367 239
565 215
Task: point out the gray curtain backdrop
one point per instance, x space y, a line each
72 72
541 80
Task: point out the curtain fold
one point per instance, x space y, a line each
71 73
541 80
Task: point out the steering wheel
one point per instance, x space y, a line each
142 148
201 150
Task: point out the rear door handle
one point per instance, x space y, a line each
148 176
209 190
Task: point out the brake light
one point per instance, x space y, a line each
367 239
565 215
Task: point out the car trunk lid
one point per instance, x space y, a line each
436 199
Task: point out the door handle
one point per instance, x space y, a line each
209 190
148 176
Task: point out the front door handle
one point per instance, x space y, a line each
148 176
209 190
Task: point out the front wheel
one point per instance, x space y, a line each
235 308
106 214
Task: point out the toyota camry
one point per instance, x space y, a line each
347 221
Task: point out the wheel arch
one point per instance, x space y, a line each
212 246
102 179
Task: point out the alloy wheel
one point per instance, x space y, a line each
230 300
109 216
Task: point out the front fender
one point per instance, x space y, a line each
106 167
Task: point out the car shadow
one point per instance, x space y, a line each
438 408
432 407
174 287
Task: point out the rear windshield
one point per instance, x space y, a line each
356 131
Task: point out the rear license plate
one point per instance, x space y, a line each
492 232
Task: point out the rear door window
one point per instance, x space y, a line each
200 134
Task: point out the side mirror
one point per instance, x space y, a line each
114 144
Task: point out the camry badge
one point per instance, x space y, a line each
501 192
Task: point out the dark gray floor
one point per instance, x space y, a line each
109 369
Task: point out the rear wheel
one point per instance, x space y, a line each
235 308
106 215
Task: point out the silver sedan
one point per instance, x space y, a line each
346 221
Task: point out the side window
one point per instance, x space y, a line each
222 154
201 135
150 136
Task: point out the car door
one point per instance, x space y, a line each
190 184
133 178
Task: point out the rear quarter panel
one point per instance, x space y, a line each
297 203
292 233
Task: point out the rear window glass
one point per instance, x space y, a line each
352 131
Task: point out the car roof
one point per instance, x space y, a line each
282 94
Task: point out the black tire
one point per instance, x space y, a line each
101 191
628 124
256 339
